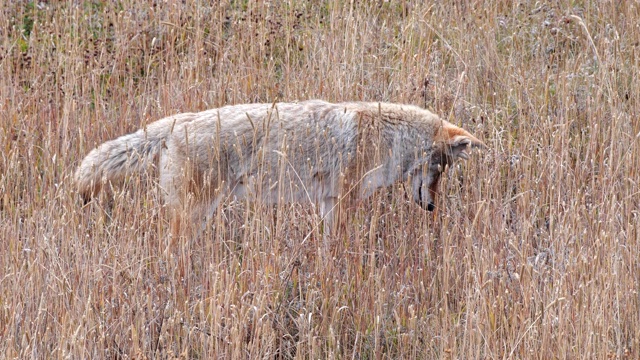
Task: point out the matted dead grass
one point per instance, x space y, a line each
532 253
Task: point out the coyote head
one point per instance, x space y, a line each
451 143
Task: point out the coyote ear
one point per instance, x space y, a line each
458 145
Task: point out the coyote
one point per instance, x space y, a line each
311 151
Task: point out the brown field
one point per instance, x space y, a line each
532 254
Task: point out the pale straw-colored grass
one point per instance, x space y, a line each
533 252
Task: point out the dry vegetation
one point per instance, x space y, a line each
532 254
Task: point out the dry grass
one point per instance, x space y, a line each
533 254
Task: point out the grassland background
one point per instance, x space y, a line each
533 252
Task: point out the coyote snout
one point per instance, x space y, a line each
309 151
425 181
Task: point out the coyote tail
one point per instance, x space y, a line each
116 159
